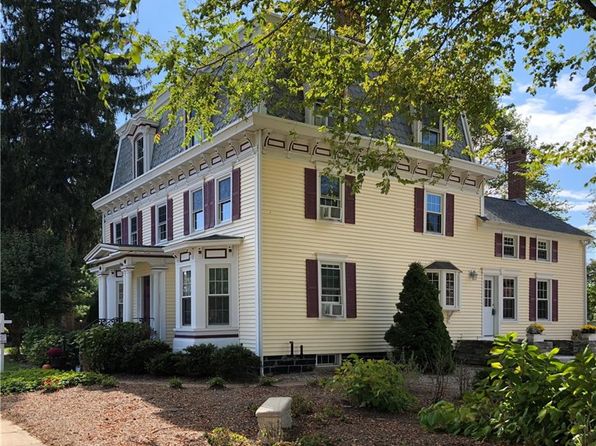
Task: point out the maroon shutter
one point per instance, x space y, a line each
522 247
532 248
153 240
139 227
450 214
209 200
312 288
185 199
418 209
236 194
310 193
555 299
112 233
555 249
350 290
350 212
532 299
125 231
498 244
170 218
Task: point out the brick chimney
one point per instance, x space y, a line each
516 183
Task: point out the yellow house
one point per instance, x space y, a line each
243 239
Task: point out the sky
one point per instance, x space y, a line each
554 115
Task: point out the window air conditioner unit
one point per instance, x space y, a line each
330 213
331 309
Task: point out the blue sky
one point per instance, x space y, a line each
555 115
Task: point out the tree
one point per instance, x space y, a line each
364 62
541 191
418 329
591 279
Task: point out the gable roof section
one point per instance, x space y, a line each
520 213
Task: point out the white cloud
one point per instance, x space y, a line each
579 207
559 117
574 194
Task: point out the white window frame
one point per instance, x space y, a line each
231 300
117 240
136 158
183 296
548 249
442 195
192 210
197 137
515 299
324 118
515 246
130 231
443 287
342 281
219 179
157 232
119 300
341 200
548 299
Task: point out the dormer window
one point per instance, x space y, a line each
431 131
320 118
139 156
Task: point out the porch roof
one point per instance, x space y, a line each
200 242
107 252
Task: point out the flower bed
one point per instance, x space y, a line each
28 380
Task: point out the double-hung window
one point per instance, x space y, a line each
543 299
509 246
543 249
320 118
119 300
431 130
447 283
162 223
509 298
134 231
434 213
434 278
198 220
329 198
224 199
331 290
186 298
218 295
140 156
118 233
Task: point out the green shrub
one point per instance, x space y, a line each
419 329
167 364
175 383
28 380
104 348
237 363
224 437
140 353
267 381
328 413
198 360
216 383
378 384
528 398
37 340
302 406
315 440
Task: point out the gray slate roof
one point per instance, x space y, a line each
443 265
518 212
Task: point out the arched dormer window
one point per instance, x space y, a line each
139 155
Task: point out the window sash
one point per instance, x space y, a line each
224 199
509 298
140 156
434 213
331 289
134 231
118 233
450 289
329 191
120 300
543 299
186 297
162 222
542 250
198 216
218 295
509 246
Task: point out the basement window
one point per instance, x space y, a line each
330 360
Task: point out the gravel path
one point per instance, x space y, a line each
152 414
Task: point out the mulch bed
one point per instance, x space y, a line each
141 412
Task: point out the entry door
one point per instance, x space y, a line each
489 306
146 299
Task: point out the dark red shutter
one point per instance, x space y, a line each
522 247
139 227
350 211
498 244
555 249
312 288
310 193
125 231
170 218
112 233
153 240
209 204
236 194
350 290
532 291
185 199
555 299
418 209
450 214
532 248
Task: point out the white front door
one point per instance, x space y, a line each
489 306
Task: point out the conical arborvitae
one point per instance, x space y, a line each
418 330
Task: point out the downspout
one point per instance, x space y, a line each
585 243
258 238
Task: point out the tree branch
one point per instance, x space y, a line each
589 7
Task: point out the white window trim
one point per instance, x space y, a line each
418 128
515 246
231 296
443 196
549 299
342 278
137 137
502 298
116 224
181 272
191 207
223 176
549 250
157 235
442 288
130 217
341 201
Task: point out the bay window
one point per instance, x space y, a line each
186 298
218 295
447 283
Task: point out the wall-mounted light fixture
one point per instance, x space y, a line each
473 274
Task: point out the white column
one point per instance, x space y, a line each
157 314
162 305
199 292
112 305
128 293
102 295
